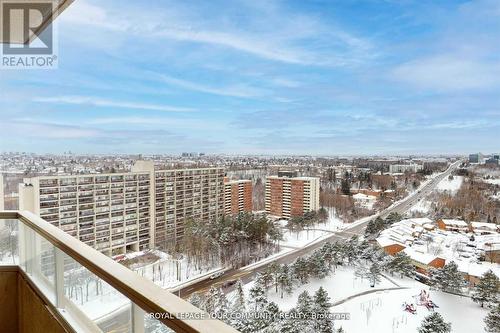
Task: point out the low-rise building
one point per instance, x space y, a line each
402 168
452 225
483 228
424 262
365 201
390 246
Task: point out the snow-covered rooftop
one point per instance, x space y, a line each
453 222
424 258
484 225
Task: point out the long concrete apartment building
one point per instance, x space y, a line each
132 211
287 197
181 195
237 196
109 212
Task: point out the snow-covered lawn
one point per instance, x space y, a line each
450 186
168 273
306 236
301 238
422 206
340 284
382 312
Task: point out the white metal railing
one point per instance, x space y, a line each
89 290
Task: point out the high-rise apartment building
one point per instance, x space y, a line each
184 194
136 210
109 212
291 196
237 196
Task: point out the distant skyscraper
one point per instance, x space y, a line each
291 196
475 158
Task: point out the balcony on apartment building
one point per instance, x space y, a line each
51 282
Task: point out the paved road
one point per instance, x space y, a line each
248 274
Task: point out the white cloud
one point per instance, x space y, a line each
273 35
96 101
233 90
449 73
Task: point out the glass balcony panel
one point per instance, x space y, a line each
103 305
152 325
9 242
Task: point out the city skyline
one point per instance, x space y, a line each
275 77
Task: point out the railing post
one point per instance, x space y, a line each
137 319
29 240
59 278
22 244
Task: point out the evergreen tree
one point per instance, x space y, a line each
301 270
492 320
293 324
210 301
370 270
304 304
486 291
285 280
318 267
434 323
197 301
448 278
321 307
400 264
258 299
221 304
303 311
345 186
351 249
239 302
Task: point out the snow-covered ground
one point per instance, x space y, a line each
382 312
102 303
339 285
450 186
318 231
422 206
168 273
492 181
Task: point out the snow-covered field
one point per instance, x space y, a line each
450 186
168 273
382 312
340 284
422 206
306 236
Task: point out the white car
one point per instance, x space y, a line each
216 275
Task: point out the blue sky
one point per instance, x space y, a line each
273 77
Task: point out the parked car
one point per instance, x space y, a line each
229 283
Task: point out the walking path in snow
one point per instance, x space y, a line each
366 293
